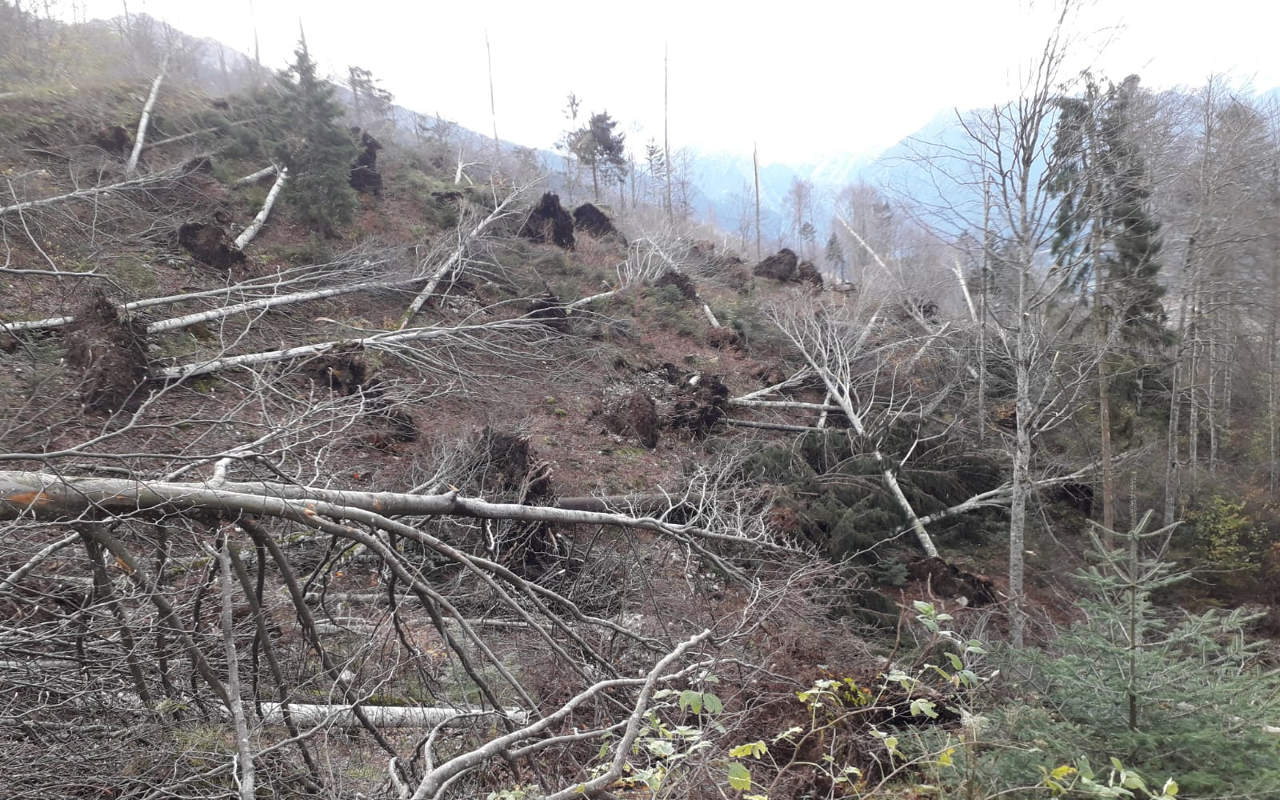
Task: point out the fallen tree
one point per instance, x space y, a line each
242 241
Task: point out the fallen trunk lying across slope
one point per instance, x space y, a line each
380 716
47 496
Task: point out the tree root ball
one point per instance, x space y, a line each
549 223
111 353
781 266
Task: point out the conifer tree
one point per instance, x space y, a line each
315 146
835 256
1165 690
598 146
1106 234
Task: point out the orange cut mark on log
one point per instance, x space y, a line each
29 499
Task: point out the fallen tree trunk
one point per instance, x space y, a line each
93 191
379 339
141 137
769 426
340 716
247 236
51 497
187 320
276 281
254 177
454 259
796 404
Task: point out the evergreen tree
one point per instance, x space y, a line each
597 145
372 103
1132 262
1164 690
835 256
1105 232
315 146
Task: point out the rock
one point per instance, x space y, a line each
209 244
548 223
844 287
679 280
780 266
114 139
634 414
110 352
364 173
806 272
587 217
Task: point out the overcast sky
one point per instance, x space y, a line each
805 79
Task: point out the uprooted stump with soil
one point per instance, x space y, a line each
946 580
701 402
781 266
549 223
209 244
111 353
633 414
364 173
683 283
592 220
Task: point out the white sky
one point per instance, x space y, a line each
805 79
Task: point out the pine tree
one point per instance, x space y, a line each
315 146
1164 690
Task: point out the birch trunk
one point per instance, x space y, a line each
243 239
245 775
254 177
271 356
94 191
455 258
141 136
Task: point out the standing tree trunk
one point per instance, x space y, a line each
666 129
493 108
1021 464
755 167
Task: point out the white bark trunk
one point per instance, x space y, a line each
271 356
243 239
138 140
188 320
340 716
254 177
793 404
711 318
44 495
80 194
245 777
455 259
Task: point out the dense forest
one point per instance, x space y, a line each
348 453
